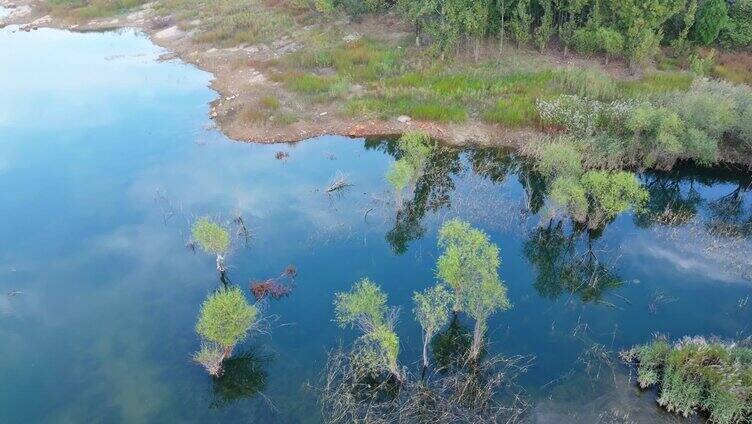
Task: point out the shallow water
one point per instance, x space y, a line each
106 157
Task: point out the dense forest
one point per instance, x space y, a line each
633 29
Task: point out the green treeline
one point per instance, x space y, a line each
633 29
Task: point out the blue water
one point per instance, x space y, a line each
106 158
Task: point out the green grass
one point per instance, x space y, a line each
226 23
514 111
656 82
361 60
92 9
309 83
389 107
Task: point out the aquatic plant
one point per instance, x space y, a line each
226 318
212 238
698 374
469 265
485 395
275 287
432 312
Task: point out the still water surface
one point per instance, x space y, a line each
106 157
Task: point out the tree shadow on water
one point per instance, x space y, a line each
244 377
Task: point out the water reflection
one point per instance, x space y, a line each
244 376
107 285
562 268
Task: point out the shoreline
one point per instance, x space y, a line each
221 63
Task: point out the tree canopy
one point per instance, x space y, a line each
211 236
226 317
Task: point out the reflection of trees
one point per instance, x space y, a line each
243 377
452 346
432 192
561 268
729 215
675 200
668 203
534 185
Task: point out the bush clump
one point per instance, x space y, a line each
695 374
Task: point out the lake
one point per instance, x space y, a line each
107 156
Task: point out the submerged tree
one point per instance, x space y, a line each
364 306
432 312
214 239
225 319
469 265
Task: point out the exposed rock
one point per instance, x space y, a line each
404 119
349 38
169 33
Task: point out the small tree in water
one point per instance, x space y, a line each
365 306
224 321
469 265
213 239
432 312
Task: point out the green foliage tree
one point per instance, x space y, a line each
212 238
738 31
225 318
641 23
546 29
365 301
365 306
712 16
432 312
680 43
469 265
521 22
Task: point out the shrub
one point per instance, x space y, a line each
611 41
697 374
568 197
585 40
610 193
225 318
559 159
